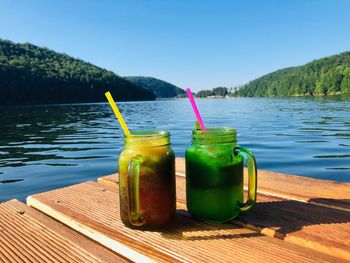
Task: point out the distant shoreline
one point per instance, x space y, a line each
292 96
167 99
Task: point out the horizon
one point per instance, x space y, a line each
238 86
138 39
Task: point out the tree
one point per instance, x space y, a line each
30 74
220 91
320 77
204 93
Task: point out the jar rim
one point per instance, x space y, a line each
151 134
147 138
215 132
214 135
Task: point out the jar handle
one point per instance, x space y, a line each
134 190
252 177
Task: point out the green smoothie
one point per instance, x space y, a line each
214 176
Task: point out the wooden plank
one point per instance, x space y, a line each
93 210
27 235
321 228
321 192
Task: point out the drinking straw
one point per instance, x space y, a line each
117 113
195 109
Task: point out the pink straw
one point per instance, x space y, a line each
195 109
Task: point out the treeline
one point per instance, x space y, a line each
160 88
326 76
219 91
30 74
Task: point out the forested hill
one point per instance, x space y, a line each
30 74
161 89
326 76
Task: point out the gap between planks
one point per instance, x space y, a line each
95 207
320 228
27 235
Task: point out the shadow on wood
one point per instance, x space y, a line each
93 209
289 216
184 227
343 204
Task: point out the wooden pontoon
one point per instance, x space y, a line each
296 219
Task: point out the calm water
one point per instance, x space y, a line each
46 147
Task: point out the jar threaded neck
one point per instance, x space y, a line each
147 138
214 135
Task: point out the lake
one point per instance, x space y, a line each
50 146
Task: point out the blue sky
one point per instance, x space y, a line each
197 44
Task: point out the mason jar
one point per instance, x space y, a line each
214 175
147 179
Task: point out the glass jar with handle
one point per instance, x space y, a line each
147 179
214 175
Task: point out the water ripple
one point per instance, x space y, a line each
49 146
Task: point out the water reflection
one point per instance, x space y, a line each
333 156
10 181
46 147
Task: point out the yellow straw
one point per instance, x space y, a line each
117 113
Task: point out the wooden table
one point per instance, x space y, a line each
296 219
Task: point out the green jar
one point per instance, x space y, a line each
147 180
214 175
